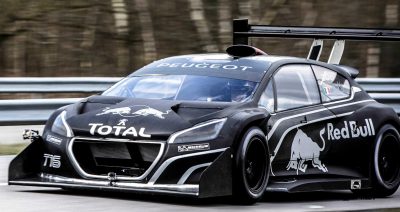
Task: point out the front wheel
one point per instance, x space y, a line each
251 167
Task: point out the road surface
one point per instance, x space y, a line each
20 198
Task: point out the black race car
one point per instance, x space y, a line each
239 124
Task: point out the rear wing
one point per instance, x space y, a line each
242 31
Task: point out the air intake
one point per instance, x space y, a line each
244 51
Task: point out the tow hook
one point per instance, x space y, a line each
112 177
32 135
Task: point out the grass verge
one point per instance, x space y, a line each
11 149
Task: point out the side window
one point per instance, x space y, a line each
267 97
295 87
332 85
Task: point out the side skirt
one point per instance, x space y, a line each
317 184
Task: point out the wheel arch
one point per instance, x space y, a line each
381 114
249 183
247 121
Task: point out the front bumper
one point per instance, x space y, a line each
215 180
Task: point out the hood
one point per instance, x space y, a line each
138 118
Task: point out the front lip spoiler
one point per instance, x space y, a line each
48 180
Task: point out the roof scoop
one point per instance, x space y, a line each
244 51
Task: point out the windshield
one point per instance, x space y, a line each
184 87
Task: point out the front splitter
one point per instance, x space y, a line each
47 180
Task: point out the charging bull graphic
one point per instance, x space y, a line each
304 149
134 111
151 111
119 111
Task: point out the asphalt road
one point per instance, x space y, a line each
20 198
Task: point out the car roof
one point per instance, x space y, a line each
218 65
251 68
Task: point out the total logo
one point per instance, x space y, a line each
101 129
351 129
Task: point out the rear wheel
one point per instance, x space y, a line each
386 164
251 167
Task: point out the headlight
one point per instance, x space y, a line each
201 132
61 127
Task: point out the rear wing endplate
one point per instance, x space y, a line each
242 31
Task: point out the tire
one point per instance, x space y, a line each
385 175
251 168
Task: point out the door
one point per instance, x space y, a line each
351 134
297 122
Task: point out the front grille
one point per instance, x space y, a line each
125 159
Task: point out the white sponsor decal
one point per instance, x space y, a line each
351 129
102 129
134 111
193 147
304 149
53 139
355 184
120 111
151 111
52 161
122 122
204 65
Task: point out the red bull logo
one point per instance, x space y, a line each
305 149
134 111
120 111
351 129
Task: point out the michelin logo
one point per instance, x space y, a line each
305 149
193 147
53 139
351 129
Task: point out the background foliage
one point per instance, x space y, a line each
115 37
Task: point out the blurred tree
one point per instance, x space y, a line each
113 38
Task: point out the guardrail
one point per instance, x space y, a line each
30 111
37 111
56 84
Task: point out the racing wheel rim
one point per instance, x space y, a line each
255 165
388 159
